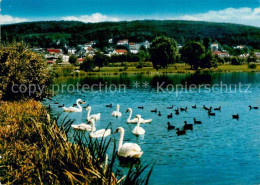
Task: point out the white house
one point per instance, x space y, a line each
214 46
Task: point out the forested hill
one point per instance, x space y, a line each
47 33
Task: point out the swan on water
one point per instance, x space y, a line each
138 130
98 133
93 116
131 150
74 109
117 113
84 127
135 120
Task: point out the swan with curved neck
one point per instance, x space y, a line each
131 150
135 120
98 133
74 109
117 113
138 130
93 116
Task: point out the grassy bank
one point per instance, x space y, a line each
177 68
34 150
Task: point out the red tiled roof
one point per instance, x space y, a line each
80 60
219 52
214 43
121 51
51 62
54 50
131 43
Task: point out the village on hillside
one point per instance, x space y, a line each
123 47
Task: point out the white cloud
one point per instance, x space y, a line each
7 19
245 15
93 18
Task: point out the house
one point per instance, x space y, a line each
120 51
54 51
122 42
50 62
220 53
72 51
239 47
90 51
257 54
80 60
53 54
214 46
133 47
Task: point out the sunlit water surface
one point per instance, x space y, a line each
220 151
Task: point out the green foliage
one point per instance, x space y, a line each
88 64
192 53
59 60
252 66
23 73
65 70
100 59
45 34
163 51
73 59
208 61
252 57
235 61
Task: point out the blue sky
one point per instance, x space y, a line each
234 11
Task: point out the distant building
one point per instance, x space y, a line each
54 51
72 51
133 47
122 42
80 60
257 54
239 47
120 51
221 54
214 46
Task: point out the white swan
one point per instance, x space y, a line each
135 120
74 109
98 133
93 116
117 113
84 127
132 150
138 130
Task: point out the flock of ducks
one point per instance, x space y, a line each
133 150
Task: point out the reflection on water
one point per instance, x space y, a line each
219 151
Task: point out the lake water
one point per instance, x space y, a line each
220 151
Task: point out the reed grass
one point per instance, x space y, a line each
35 150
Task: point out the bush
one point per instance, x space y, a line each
23 73
235 61
252 66
88 64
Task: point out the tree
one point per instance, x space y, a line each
192 53
206 43
252 57
163 51
208 61
88 64
73 59
100 59
23 73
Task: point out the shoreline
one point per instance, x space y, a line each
181 69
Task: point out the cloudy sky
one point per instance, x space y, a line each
232 11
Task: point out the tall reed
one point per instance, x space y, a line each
35 150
